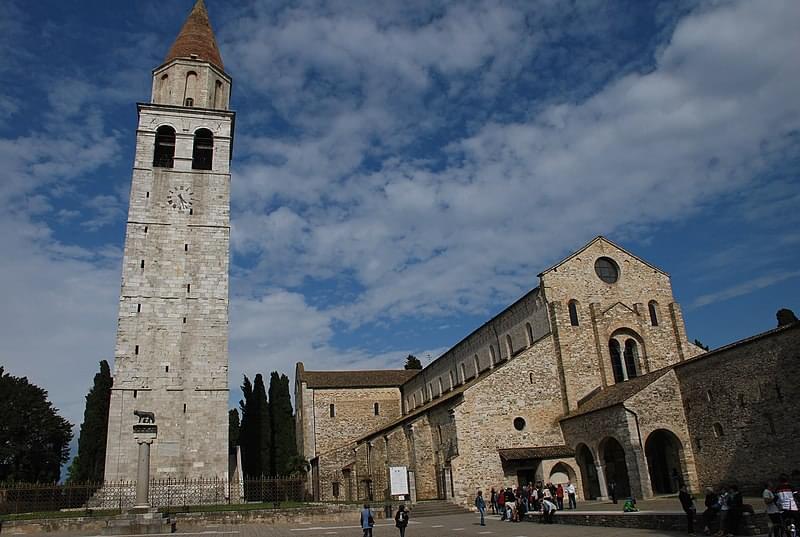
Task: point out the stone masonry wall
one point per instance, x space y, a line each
741 408
608 309
171 355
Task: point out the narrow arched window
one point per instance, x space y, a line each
529 333
477 365
164 153
616 360
573 312
653 307
631 358
441 386
218 95
452 380
463 372
189 92
203 152
509 346
492 354
376 408
332 410
718 430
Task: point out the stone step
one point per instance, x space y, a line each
436 508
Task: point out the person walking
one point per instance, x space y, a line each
687 502
501 503
367 520
571 495
401 519
560 496
480 504
493 499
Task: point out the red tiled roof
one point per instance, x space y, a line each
196 38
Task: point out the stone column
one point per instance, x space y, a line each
144 434
601 480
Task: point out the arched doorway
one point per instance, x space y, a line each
664 455
591 485
562 473
616 468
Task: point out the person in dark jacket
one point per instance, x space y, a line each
735 506
687 502
480 504
401 519
712 507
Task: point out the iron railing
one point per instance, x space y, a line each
163 493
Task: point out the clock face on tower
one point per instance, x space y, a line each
180 198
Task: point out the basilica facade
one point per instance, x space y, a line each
588 378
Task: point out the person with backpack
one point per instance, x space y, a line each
401 519
712 507
367 520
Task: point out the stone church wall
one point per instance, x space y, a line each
741 409
521 323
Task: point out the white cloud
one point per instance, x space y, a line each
744 288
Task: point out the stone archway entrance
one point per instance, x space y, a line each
664 460
613 457
591 484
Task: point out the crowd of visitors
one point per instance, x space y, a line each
545 498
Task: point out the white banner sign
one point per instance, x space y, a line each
398 479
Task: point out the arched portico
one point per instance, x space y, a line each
665 461
612 456
588 468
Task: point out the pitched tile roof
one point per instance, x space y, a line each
617 393
357 379
196 38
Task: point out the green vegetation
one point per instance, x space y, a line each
34 439
412 362
89 464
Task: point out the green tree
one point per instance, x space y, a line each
282 421
256 431
700 344
34 439
89 464
233 429
412 362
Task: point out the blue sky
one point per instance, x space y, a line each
404 170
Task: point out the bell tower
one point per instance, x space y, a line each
171 355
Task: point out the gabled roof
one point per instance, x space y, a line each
196 38
386 378
591 243
616 394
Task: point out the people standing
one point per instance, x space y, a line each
722 499
493 499
712 507
560 496
501 503
773 510
687 502
735 505
612 490
480 503
367 520
401 519
573 504
786 502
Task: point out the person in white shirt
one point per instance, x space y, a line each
548 510
570 490
773 510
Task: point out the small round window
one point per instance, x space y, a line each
519 424
606 269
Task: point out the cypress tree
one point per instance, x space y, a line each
233 430
283 432
90 462
263 431
255 434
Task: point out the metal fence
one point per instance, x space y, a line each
164 493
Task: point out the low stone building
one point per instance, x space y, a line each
588 378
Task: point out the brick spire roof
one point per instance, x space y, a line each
196 37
